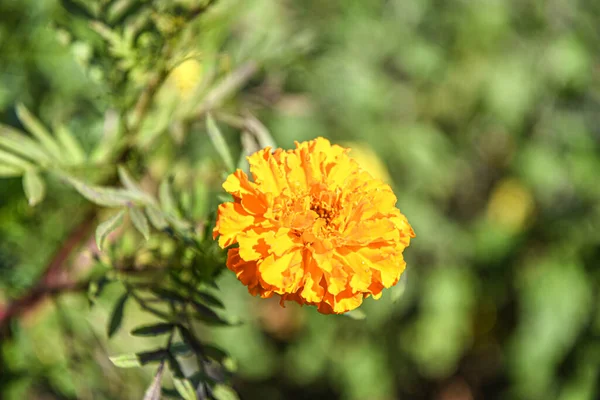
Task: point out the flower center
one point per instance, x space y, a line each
324 211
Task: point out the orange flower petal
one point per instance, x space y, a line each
313 228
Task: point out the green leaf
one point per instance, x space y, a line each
153 392
153 330
21 144
12 160
34 187
180 349
356 314
127 180
174 366
260 131
215 352
105 228
219 142
146 357
167 294
208 316
209 299
131 185
165 195
184 388
109 197
116 317
35 127
223 392
399 289
130 360
140 221
156 217
69 143
8 171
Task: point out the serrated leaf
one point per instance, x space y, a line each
156 217
21 144
153 391
185 389
37 129
105 228
153 330
70 144
125 361
356 314
223 392
12 160
139 220
219 142
108 197
8 171
34 187
116 317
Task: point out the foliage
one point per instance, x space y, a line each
121 118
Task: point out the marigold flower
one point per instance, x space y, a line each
313 228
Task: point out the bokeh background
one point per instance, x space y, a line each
483 115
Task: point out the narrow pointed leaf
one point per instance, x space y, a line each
125 361
127 180
9 171
108 197
19 143
116 317
153 392
70 145
105 228
34 187
356 314
215 352
222 392
153 330
399 289
140 221
37 129
180 349
165 195
209 299
156 217
185 389
219 142
11 159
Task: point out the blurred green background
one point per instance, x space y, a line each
485 117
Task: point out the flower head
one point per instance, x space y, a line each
313 227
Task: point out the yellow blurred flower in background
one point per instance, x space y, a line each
368 160
313 227
186 76
511 204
